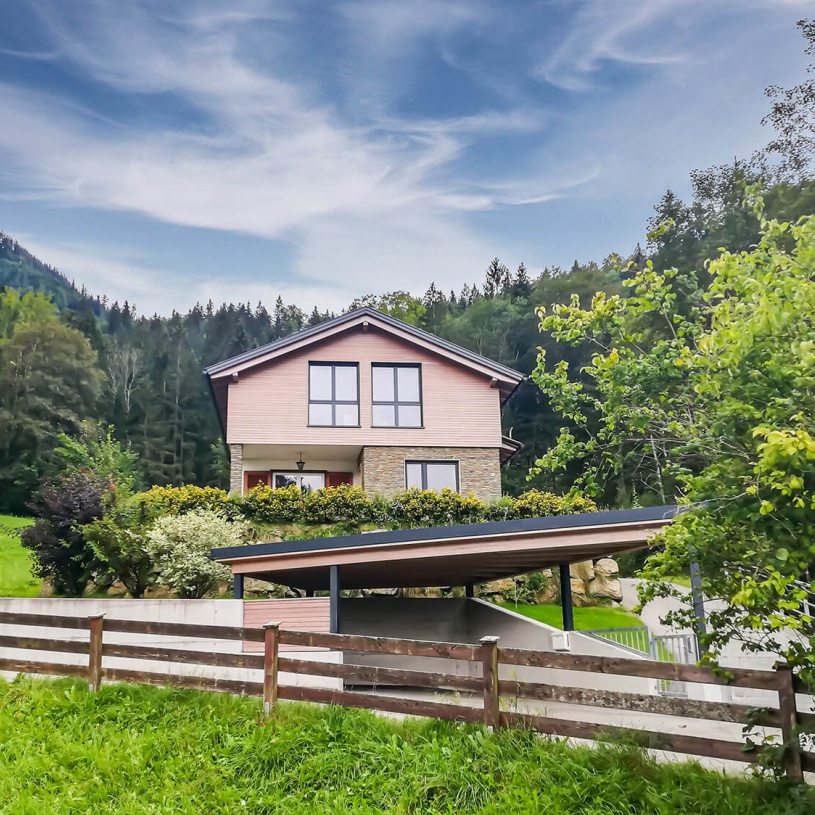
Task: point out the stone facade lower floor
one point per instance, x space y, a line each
380 470
479 468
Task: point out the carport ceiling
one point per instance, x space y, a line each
449 555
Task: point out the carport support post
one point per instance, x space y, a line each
469 590
270 648
566 597
334 603
238 586
95 652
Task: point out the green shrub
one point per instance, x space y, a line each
537 504
178 500
415 508
266 505
574 503
180 547
119 541
502 509
350 505
330 505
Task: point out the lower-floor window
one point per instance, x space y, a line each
306 481
432 475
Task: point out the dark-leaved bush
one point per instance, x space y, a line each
63 506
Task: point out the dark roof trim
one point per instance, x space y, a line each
549 524
513 443
248 356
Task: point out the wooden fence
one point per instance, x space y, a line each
488 685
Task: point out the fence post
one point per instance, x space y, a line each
270 649
789 721
489 673
95 652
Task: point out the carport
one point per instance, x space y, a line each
461 555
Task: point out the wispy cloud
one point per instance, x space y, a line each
268 157
320 126
623 31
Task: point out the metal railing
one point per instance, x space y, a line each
636 638
677 648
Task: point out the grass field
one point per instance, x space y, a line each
584 618
148 750
16 579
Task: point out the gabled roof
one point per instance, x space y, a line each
364 316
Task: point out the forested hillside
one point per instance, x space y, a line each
20 270
153 393
144 373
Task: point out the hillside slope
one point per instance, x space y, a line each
20 270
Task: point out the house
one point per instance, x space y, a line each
364 399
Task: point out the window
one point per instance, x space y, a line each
256 478
333 394
432 475
397 395
306 481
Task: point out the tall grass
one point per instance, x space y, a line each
144 750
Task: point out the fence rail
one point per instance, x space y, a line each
489 685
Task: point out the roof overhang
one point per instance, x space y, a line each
450 555
509 447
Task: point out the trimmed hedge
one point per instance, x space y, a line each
347 504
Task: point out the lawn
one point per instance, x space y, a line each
16 579
584 618
149 750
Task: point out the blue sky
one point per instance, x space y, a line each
170 152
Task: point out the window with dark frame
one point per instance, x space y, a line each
333 394
396 391
432 475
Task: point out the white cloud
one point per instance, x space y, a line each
646 33
267 158
128 275
370 200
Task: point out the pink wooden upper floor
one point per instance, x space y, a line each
269 403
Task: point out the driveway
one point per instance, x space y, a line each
653 613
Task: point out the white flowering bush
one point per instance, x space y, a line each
180 546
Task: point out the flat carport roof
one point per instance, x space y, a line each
446 556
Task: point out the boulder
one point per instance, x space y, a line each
606 566
548 594
380 592
579 592
584 570
606 587
47 588
117 589
252 587
505 586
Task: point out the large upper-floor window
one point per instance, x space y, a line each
333 394
397 395
432 475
